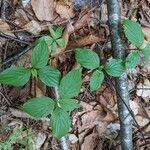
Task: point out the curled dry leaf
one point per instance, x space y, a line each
43 9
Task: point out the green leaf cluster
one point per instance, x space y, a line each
90 60
19 76
134 34
59 109
54 40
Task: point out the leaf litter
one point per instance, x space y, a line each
95 125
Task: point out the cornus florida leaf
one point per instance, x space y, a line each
60 122
17 76
68 104
133 32
40 55
96 80
87 58
114 67
49 76
70 84
39 106
132 60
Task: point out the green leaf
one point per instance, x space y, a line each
40 55
52 32
70 84
61 42
114 67
39 106
34 72
68 104
46 38
60 122
132 60
49 76
87 58
146 52
59 32
96 80
17 76
54 47
133 32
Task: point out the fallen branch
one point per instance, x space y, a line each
121 82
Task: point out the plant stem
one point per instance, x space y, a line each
121 82
64 140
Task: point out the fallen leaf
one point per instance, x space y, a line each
146 33
143 90
83 41
90 142
65 11
43 9
39 139
134 107
33 27
72 138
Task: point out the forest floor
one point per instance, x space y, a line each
95 125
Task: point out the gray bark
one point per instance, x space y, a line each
114 19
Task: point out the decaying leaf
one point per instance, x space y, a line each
143 90
83 41
43 9
33 27
90 142
64 10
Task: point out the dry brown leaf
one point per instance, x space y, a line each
33 27
65 11
146 31
40 88
43 9
87 40
143 90
21 16
90 119
90 142
134 107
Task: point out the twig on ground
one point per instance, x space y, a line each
16 56
3 35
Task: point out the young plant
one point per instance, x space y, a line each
134 34
54 40
60 122
90 60
19 76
